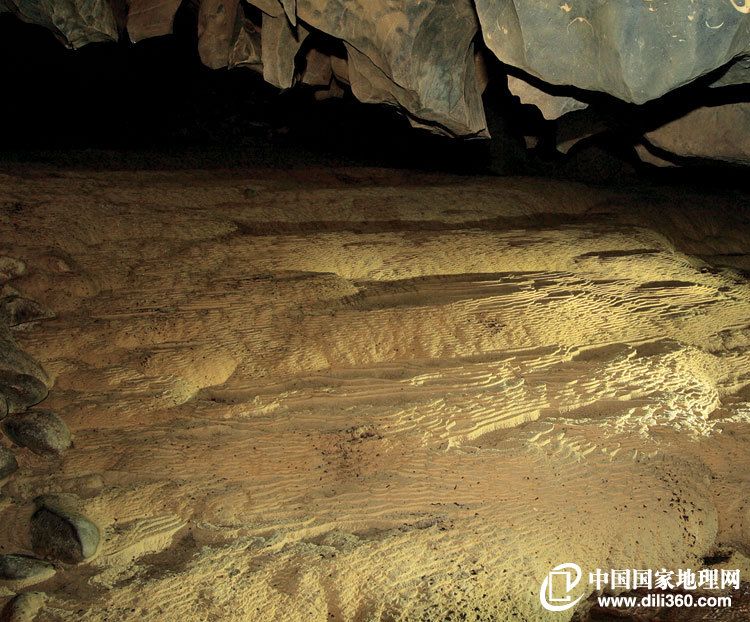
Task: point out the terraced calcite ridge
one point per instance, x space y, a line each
420 56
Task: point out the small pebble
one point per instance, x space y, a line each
15 360
59 531
26 569
19 392
17 310
23 607
8 464
41 431
11 268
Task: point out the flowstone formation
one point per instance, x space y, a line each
410 412
428 57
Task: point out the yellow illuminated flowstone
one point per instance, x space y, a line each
379 396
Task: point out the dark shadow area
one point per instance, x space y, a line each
154 105
117 96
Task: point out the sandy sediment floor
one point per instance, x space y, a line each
368 395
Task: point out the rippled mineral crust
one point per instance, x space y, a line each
358 394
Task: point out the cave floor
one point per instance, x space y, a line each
361 394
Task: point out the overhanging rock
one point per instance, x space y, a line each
421 57
636 51
74 22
